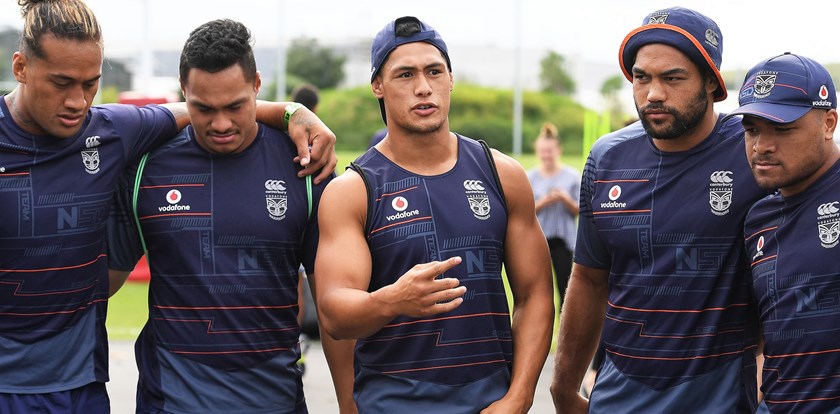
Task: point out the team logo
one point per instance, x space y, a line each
758 248
399 203
828 224
764 84
477 197
90 155
276 201
720 192
173 197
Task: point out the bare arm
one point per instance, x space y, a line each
346 309
339 355
580 328
528 267
116 278
305 129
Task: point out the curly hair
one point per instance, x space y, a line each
218 45
64 19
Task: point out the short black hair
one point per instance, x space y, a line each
218 45
307 95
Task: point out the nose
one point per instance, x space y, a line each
75 99
423 88
221 122
655 92
763 143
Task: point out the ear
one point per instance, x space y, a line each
19 64
451 82
712 84
830 124
376 87
257 83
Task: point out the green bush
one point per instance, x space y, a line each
476 111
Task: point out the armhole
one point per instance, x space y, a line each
358 169
495 171
134 193
309 204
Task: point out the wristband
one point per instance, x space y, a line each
291 108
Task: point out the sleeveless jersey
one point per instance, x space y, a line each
55 194
454 362
792 244
226 235
679 329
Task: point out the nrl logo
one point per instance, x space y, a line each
828 224
276 201
720 192
477 197
763 85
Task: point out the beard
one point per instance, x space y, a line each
683 122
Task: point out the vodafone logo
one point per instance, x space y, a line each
758 248
615 193
399 203
823 92
173 196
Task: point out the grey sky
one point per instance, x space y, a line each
587 29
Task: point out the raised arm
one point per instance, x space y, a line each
528 267
343 264
305 128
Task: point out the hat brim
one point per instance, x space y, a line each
781 114
675 37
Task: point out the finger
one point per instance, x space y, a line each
447 295
447 306
440 267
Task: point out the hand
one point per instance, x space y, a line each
507 405
418 293
556 196
307 130
569 403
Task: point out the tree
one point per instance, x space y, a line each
609 90
553 75
317 65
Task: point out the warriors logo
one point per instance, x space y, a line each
764 84
658 18
275 199
828 224
477 197
720 192
90 155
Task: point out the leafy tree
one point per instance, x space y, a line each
317 65
553 75
610 90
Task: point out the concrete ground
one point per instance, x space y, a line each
317 384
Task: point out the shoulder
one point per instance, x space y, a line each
764 209
629 134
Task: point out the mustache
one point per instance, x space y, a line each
657 107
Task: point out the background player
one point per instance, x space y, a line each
426 202
789 104
659 256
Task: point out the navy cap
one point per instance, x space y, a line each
694 34
387 40
784 88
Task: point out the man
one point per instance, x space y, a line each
789 104
226 227
423 203
60 159
306 95
658 261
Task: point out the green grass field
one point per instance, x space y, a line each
128 310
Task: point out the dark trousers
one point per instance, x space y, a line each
561 259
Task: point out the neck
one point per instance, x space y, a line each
833 157
424 154
18 112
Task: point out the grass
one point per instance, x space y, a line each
128 308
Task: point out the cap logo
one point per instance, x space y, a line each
823 92
712 38
764 84
658 18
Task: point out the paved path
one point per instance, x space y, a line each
320 396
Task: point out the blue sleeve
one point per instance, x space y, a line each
124 246
590 250
140 128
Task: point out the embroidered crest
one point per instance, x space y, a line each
477 198
276 201
828 224
720 192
